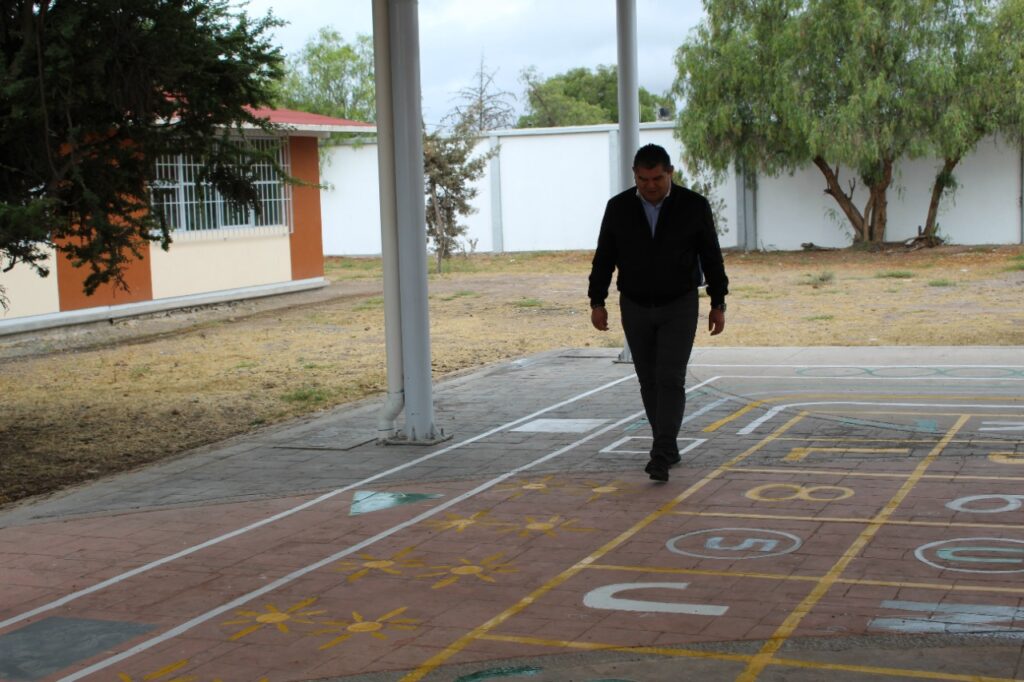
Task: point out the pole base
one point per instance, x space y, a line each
401 439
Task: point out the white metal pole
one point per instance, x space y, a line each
386 428
411 215
629 105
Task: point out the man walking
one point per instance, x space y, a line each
661 237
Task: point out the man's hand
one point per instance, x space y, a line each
716 321
599 318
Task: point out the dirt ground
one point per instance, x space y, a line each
88 401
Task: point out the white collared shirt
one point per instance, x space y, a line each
652 211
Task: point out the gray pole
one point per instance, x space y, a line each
386 429
411 215
629 105
629 90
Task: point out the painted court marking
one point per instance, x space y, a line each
605 595
294 575
57 603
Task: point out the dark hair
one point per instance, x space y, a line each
651 156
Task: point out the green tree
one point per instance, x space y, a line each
976 91
774 85
450 167
581 96
331 77
92 92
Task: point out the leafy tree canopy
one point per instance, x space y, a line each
581 96
774 85
331 77
92 92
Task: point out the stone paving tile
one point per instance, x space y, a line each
516 547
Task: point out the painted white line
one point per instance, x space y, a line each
57 603
604 598
294 575
706 408
770 414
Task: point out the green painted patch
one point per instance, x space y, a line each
495 673
366 501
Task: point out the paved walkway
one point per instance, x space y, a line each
849 514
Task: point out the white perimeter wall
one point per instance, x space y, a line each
554 184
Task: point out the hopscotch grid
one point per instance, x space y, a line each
796 616
439 659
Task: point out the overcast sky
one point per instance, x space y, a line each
551 35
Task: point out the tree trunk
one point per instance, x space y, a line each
440 233
844 200
942 181
880 210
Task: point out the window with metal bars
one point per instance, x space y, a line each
192 207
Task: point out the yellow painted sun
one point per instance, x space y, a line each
550 527
461 523
391 565
482 571
361 626
518 489
598 490
271 615
162 672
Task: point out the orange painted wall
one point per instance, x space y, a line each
307 249
136 275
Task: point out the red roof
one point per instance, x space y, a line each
305 121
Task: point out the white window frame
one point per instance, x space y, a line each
200 213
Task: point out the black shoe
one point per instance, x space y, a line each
657 470
672 460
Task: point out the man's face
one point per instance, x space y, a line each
653 183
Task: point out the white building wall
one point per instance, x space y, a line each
199 266
554 184
29 294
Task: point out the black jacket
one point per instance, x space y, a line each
663 267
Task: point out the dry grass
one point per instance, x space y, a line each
84 403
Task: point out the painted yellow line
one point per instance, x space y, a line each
597 646
889 672
850 519
776 517
800 454
944 587
923 441
706 572
873 474
458 645
835 439
722 656
778 471
785 631
714 426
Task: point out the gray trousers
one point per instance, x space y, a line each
660 338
